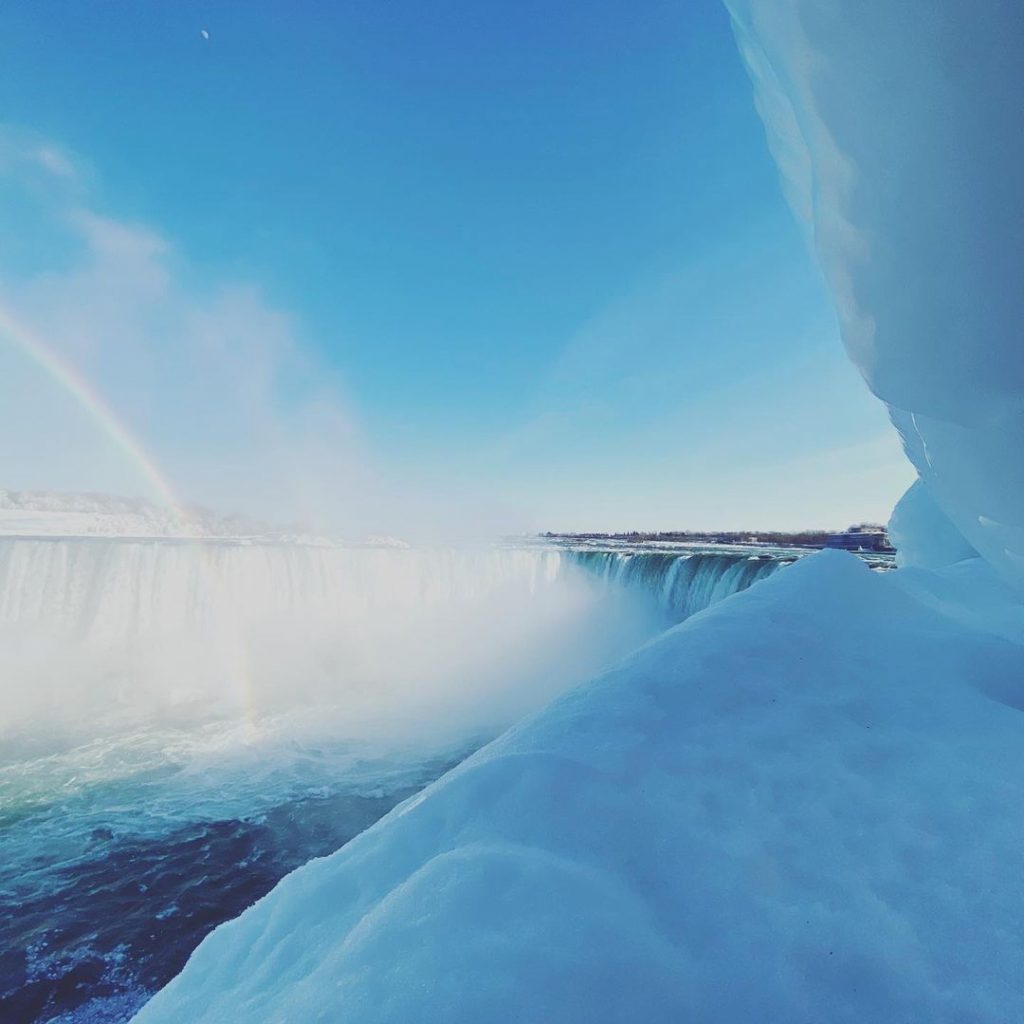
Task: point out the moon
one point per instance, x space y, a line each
204 33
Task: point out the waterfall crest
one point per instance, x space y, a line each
681 583
138 630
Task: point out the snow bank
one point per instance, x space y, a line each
898 130
803 804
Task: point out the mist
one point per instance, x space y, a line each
220 388
432 648
128 369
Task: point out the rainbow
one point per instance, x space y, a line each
72 381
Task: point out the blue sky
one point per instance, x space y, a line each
526 266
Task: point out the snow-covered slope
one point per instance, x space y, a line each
803 804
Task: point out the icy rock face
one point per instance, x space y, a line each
801 805
897 127
924 538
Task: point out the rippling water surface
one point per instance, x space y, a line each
108 884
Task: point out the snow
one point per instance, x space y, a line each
922 534
897 129
89 515
52 514
802 804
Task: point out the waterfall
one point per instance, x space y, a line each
138 630
183 722
681 583
102 589
105 591
116 633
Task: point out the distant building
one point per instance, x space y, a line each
861 537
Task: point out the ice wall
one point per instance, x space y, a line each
923 535
897 127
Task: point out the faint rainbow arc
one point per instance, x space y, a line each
71 380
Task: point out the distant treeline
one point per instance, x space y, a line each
805 539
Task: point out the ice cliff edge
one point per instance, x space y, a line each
897 129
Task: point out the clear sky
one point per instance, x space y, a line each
525 266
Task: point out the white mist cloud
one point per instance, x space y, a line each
212 378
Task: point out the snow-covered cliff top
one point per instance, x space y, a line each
49 514
53 514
